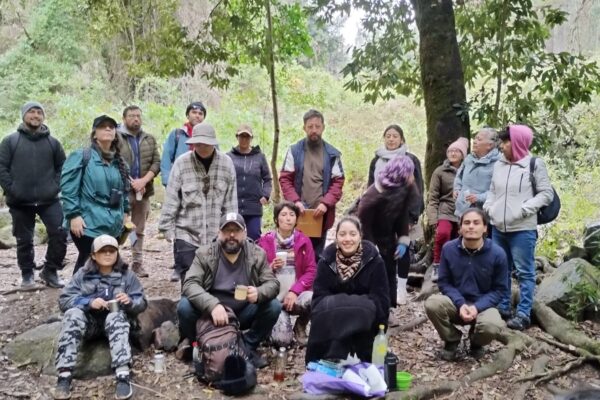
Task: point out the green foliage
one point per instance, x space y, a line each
584 296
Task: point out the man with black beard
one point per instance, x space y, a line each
218 268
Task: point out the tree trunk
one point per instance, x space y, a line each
441 78
276 196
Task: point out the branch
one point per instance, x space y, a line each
25 289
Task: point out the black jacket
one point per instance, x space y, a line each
369 280
253 180
30 167
385 215
420 206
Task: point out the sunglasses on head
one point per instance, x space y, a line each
206 185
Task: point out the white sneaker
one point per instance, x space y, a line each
401 295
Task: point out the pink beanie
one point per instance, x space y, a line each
461 144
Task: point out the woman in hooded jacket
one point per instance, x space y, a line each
385 213
512 206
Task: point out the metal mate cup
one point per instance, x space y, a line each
113 305
241 292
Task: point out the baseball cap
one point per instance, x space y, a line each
103 118
233 218
244 129
203 133
103 241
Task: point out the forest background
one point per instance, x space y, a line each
85 58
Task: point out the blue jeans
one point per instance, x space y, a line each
253 223
258 319
520 251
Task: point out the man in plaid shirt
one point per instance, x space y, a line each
201 188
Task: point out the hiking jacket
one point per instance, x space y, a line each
440 204
253 180
475 175
189 214
418 207
479 278
88 194
385 215
174 147
88 284
149 157
511 203
369 280
292 172
200 277
30 165
304 258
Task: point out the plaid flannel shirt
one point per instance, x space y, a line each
195 200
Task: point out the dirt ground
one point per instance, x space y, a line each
417 349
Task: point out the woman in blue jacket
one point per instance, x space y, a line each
95 186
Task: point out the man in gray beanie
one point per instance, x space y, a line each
30 165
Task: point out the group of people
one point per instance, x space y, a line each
212 213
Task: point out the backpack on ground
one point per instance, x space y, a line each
214 345
547 213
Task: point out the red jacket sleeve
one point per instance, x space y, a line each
309 269
334 194
286 181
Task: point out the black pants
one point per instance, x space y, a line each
84 246
318 245
23 219
184 256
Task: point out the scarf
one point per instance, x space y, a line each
188 128
347 266
384 155
285 243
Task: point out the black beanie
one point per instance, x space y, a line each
195 105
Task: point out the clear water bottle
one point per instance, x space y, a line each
280 362
380 346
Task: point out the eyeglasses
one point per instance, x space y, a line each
206 183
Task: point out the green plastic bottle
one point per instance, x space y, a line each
380 346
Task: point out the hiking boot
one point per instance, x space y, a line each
519 322
435 272
123 389
449 351
63 388
139 270
300 331
175 276
27 280
51 278
256 360
505 314
476 351
184 350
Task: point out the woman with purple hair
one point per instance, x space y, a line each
384 212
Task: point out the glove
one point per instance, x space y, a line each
400 251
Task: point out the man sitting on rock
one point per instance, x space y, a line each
90 311
472 277
232 260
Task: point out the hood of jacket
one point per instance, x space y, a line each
521 137
253 150
40 134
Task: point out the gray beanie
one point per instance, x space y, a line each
29 105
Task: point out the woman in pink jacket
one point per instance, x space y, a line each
291 256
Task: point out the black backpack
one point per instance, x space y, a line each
550 212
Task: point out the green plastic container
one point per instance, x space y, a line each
403 380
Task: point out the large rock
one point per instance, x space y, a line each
38 345
7 240
555 289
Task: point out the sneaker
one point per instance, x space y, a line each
256 360
50 277
139 270
175 276
184 350
435 272
27 281
505 314
123 389
519 322
476 351
449 351
63 388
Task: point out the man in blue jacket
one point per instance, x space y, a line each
472 277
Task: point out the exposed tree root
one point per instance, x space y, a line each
409 326
428 287
20 290
515 343
539 366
